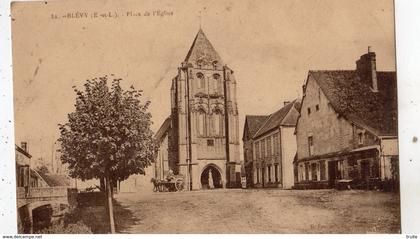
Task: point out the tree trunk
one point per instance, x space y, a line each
109 203
102 184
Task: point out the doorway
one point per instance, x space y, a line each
332 173
211 178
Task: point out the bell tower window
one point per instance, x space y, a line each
200 80
216 83
201 122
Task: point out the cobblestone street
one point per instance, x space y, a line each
260 211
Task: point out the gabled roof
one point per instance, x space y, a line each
253 123
351 98
19 149
56 180
201 49
163 129
279 118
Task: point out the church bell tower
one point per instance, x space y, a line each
205 118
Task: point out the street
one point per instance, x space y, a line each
259 211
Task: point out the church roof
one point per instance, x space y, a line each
354 100
279 118
163 129
202 52
253 123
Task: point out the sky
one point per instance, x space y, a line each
271 45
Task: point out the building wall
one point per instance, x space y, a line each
335 141
330 132
161 164
267 154
288 143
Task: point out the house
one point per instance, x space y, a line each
26 176
252 124
347 128
273 147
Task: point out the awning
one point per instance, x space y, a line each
366 148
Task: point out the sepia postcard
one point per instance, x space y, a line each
202 117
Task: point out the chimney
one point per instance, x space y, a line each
286 103
366 69
24 146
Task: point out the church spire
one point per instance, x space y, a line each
202 53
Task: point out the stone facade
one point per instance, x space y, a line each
204 117
336 144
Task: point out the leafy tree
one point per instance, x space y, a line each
108 136
42 170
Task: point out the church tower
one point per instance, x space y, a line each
204 117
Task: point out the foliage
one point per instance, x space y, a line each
73 228
42 170
108 133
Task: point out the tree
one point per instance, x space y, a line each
108 135
42 170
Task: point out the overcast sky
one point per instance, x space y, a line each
270 45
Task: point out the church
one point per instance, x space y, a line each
200 139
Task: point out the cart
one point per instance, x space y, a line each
174 185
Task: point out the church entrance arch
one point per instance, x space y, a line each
211 177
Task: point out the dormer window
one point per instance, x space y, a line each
309 110
200 63
214 64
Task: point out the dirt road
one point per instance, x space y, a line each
259 211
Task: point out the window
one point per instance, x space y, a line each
360 137
276 172
210 142
258 175
317 107
214 64
309 110
263 148
269 153
257 150
201 123
301 178
216 83
322 170
275 145
311 145
269 173
200 63
217 123
200 80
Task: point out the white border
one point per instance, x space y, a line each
7 158
408 73
408 69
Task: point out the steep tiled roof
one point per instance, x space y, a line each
202 50
358 103
254 122
276 119
56 180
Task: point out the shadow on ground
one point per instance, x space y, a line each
96 218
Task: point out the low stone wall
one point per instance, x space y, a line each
312 185
90 198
